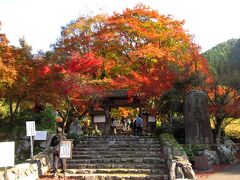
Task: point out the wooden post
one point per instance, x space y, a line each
108 120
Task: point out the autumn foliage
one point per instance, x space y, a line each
224 101
72 78
138 49
141 50
7 69
224 106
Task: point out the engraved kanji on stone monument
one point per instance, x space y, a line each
196 118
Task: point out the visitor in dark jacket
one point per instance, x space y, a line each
139 125
55 144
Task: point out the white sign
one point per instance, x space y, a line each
151 119
41 135
66 149
99 118
7 152
30 126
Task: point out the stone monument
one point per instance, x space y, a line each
196 118
75 128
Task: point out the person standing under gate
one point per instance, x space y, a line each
139 125
114 125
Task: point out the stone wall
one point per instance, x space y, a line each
32 168
177 159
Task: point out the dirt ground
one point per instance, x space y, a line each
228 172
222 172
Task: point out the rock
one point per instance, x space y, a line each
176 157
34 167
23 145
43 144
11 175
44 169
2 174
201 163
178 152
179 173
44 161
184 164
22 166
231 145
18 149
26 144
211 155
172 172
188 172
21 157
225 154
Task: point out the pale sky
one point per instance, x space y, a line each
40 21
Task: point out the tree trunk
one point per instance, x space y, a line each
11 113
218 130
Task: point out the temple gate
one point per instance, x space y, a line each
120 98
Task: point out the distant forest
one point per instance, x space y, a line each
224 61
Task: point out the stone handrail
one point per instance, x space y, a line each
31 169
177 160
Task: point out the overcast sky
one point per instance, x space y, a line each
40 21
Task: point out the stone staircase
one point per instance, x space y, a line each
117 157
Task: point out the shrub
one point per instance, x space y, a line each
192 149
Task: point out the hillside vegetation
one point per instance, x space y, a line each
224 62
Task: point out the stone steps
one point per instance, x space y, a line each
117 157
119 138
118 160
139 149
118 152
117 146
116 177
114 165
115 171
117 141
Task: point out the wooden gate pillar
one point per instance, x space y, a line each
108 122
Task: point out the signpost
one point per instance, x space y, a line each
31 131
40 136
66 152
151 119
99 118
7 151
